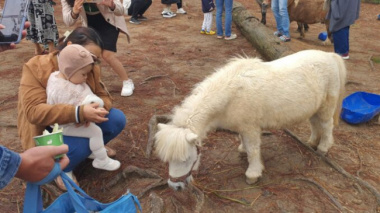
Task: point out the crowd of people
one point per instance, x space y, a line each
85 106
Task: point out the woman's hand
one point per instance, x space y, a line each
108 3
94 113
78 6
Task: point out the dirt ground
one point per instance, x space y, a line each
165 59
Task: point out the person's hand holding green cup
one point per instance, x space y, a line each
50 139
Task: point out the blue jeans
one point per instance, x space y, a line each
341 40
79 148
280 12
227 17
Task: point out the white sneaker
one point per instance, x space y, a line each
167 15
181 11
128 88
108 164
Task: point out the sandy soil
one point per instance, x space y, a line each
166 58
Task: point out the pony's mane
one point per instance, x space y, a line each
171 144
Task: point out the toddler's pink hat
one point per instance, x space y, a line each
73 58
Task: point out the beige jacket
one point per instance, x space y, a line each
34 115
115 17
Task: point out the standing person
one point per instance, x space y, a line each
43 30
342 14
136 9
107 19
180 9
68 86
227 4
35 115
207 8
280 12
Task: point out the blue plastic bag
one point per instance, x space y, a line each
71 201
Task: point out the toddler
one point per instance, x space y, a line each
207 8
68 86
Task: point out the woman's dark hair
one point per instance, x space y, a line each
82 36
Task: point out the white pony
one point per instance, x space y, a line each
248 95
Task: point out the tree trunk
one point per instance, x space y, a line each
261 37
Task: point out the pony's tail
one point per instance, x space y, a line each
342 79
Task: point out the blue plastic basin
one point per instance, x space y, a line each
360 107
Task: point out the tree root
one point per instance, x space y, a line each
338 168
335 202
200 197
156 203
154 120
159 183
132 169
177 205
49 193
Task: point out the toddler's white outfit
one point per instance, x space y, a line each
61 91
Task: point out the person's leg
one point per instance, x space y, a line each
208 20
38 49
228 17
79 148
276 14
341 41
283 12
130 9
115 124
180 9
51 46
219 13
204 23
145 7
137 7
115 64
179 4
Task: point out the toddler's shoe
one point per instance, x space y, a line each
203 32
210 32
128 88
108 164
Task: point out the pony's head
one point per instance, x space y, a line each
178 146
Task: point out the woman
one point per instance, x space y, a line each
34 115
43 29
107 19
227 5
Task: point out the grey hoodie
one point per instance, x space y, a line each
343 13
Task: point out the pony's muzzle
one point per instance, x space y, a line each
179 185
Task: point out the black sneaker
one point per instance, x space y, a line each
142 18
134 21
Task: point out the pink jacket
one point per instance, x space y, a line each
115 18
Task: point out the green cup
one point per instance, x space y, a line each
52 139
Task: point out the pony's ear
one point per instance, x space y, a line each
160 126
191 137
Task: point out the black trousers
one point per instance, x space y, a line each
138 7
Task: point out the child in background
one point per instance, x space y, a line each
207 7
68 86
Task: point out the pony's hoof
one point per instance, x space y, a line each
251 181
321 152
